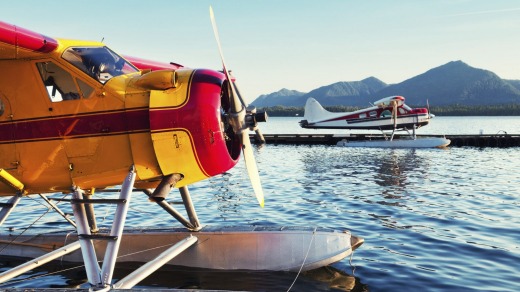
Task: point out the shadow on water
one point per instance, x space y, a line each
172 277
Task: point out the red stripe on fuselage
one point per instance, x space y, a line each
75 126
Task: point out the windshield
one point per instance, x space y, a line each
407 108
99 62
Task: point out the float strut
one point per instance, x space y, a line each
87 246
168 208
8 207
101 278
159 196
112 249
34 263
190 209
58 210
144 271
91 217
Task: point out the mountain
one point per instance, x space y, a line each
282 97
346 93
452 83
351 93
514 83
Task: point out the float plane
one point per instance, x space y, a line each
77 118
390 113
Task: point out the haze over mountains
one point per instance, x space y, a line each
449 84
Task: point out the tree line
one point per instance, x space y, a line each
451 110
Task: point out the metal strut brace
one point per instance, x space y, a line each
163 189
34 263
8 207
101 278
144 271
58 210
190 209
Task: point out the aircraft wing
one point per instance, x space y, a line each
17 42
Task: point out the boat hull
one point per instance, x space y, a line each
233 248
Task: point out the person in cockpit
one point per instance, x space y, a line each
101 66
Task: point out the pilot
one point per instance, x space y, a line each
98 64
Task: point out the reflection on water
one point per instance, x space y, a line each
390 167
394 167
58 275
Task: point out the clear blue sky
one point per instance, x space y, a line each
300 45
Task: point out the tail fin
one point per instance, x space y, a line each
314 111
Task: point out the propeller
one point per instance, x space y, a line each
430 115
394 117
242 118
394 113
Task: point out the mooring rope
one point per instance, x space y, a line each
304 259
25 229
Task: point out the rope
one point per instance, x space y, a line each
304 259
16 237
42 275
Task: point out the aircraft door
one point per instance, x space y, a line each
8 159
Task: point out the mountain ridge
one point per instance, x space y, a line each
452 83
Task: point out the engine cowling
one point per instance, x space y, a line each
188 128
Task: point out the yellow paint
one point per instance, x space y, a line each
174 97
145 161
10 180
175 153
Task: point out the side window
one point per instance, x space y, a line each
86 90
60 84
386 113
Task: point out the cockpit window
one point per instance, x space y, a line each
99 62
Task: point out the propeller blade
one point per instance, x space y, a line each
430 115
252 170
394 113
238 103
238 120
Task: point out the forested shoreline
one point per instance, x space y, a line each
451 110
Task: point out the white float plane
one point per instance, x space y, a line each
389 113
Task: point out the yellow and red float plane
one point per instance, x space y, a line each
76 117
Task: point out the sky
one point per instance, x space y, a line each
294 44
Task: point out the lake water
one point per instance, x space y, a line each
432 219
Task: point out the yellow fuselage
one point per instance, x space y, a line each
160 122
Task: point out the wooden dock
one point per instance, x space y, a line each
498 140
